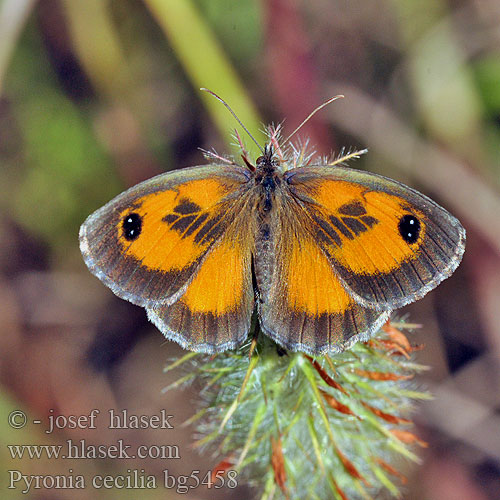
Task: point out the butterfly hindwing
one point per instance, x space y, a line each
215 311
304 306
388 244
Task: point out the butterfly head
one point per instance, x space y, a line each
269 161
268 175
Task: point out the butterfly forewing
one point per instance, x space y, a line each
388 244
148 243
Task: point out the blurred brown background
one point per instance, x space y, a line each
97 95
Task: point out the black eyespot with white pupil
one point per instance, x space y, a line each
132 225
409 228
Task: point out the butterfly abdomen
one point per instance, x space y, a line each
263 258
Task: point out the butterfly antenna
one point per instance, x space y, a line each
311 115
234 114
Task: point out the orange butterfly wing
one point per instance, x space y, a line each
388 244
180 244
346 248
178 217
214 313
303 305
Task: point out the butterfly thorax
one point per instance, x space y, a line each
268 176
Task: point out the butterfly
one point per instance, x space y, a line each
323 252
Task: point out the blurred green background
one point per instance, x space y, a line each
97 95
